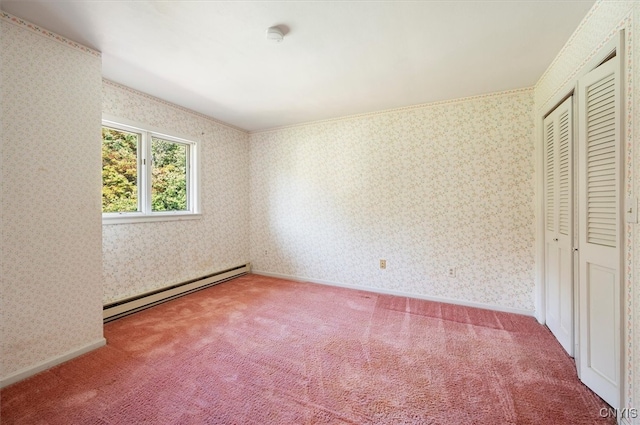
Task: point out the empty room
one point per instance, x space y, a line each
301 212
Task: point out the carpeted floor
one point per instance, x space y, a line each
258 350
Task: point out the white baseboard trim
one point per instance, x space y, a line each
400 293
32 370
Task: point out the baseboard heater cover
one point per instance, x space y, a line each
127 306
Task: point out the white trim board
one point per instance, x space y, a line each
400 293
32 370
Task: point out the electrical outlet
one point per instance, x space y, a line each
452 272
383 264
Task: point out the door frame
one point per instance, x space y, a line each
615 45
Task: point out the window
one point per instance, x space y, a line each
147 175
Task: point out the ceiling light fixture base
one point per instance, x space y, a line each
275 34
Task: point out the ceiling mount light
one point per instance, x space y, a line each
275 34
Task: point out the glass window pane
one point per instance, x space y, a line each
168 175
119 170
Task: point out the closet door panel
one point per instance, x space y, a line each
558 145
600 230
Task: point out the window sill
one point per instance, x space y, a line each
130 218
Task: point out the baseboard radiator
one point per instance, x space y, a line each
127 306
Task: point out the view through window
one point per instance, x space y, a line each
146 174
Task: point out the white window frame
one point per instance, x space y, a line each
145 213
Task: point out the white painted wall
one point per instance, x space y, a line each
50 280
426 188
141 257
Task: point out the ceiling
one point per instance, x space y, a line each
338 58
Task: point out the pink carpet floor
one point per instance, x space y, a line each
258 350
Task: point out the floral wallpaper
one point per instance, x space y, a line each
446 185
141 257
602 24
427 188
51 281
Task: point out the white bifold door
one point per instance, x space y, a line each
599 181
558 145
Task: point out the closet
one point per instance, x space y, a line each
583 303
558 149
600 229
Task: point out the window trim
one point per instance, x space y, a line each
144 213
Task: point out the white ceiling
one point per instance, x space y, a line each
338 58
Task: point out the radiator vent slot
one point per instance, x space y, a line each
131 305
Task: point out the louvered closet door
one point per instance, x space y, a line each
558 143
599 234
